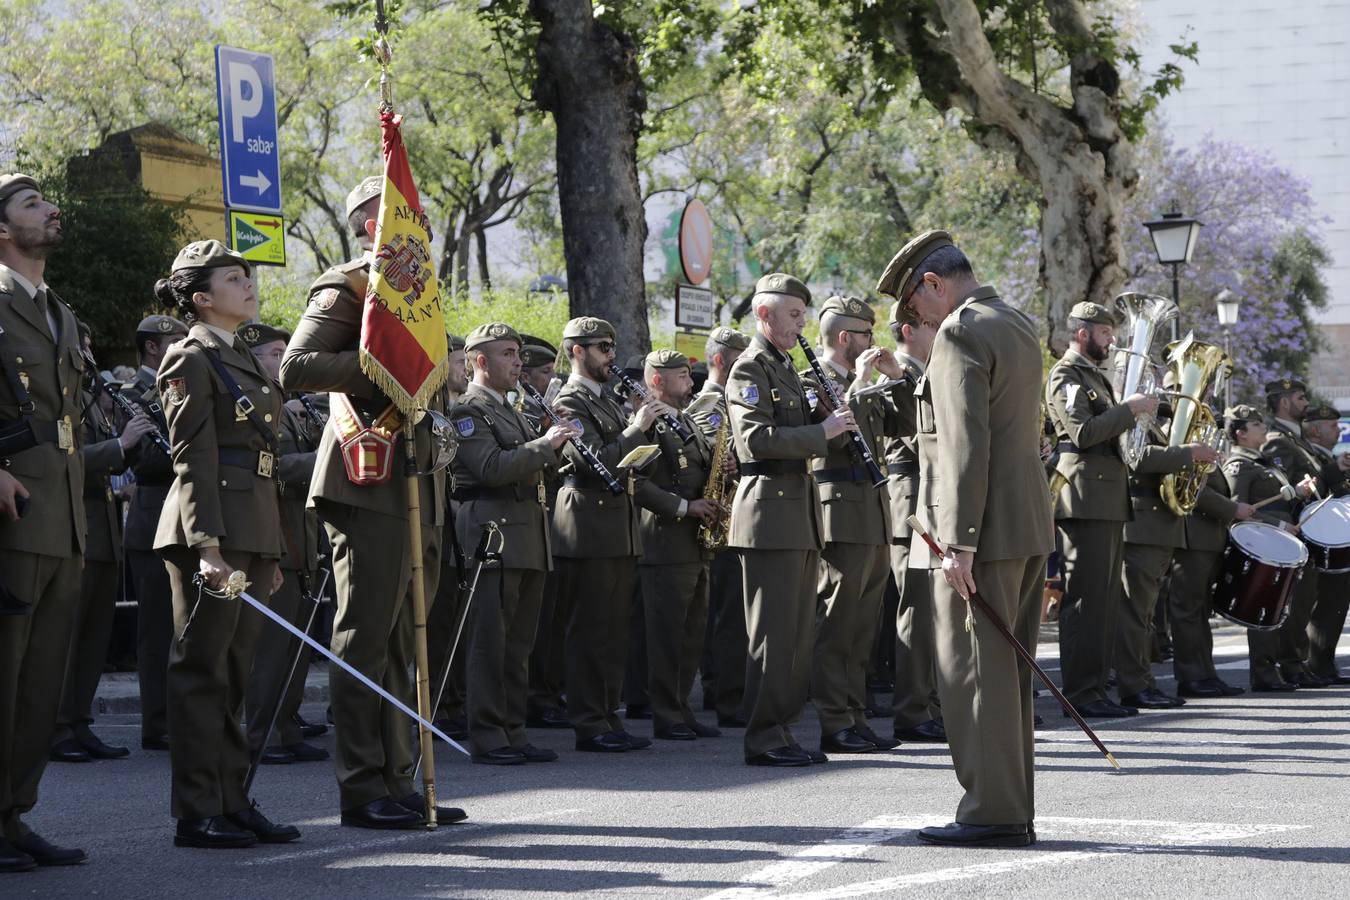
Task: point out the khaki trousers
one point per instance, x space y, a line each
986 690
503 616
675 606
1144 568
598 593
1188 610
33 651
916 698
780 616
849 591
99 584
1090 607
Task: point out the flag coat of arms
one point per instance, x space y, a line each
403 343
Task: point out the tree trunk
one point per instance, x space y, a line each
589 80
484 276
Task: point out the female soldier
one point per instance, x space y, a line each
220 515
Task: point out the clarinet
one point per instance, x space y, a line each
312 411
860 447
672 421
577 443
103 384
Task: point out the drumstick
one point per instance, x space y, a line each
979 603
1286 493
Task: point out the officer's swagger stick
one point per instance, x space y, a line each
979 603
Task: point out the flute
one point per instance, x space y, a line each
577 443
837 402
672 421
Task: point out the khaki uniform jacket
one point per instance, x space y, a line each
1290 453
152 469
295 467
854 512
209 499
1086 415
1154 523
498 474
771 421
1252 478
980 428
54 524
102 457
678 474
708 409
902 451
1335 481
1215 510
589 522
323 355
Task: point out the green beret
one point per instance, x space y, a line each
255 334
588 328
492 331
1093 312
537 352
161 325
895 281
667 359
849 307
729 337
1284 386
13 182
1322 414
779 283
453 342
208 255
370 186
1241 413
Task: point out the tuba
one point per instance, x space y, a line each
713 535
1142 314
1195 368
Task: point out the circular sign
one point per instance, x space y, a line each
695 242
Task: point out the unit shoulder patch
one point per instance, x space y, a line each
465 426
750 393
325 299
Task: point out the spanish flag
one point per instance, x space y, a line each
403 343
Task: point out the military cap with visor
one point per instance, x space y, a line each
256 334
781 283
1094 313
453 342
849 308
898 279
208 255
729 337
537 352
1322 413
370 186
1241 414
13 182
667 359
490 332
161 325
586 328
1284 386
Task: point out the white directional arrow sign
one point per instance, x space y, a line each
258 182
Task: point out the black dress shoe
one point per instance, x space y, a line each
502 756
609 742
927 732
779 757
445 815
846 741
307 752
549 718
45 853
69 751
214 833
267 831
99 750
277 756
731 722
1102 709
1307 680
308 729
535 754
867 734
815 756
704 730
1229 690
1338 678
680 732
155 742
1198 689
384 813
12 860
635 742
1273 687
976 835
632 712
1149 699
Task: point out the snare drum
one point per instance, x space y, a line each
1325 528
1256 581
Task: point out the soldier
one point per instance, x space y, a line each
1321 427
220 516
596 539
105 452
153 472
725 651
1285 447
299 564
983 485
776 518
854 565
499 483
915 706
41 479
674 567
1253 478
363 504
1151 537
447 608
1092 507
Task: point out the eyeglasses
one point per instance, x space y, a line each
871 338
602 346
909 298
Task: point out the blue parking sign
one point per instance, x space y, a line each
250 157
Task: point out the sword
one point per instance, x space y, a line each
234 589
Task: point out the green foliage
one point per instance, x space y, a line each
543 315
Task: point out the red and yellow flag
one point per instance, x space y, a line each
403 344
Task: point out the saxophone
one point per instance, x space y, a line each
1194 367
713 535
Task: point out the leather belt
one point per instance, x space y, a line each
774 467
841 474
260 462
902 468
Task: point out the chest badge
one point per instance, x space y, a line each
811 398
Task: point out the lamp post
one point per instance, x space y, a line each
1174 238
1227 303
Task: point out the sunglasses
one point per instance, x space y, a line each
602 346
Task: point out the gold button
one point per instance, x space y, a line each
503 521
224 484
18 359
837 495
65 392
1155 506
970 531
1099 478
267 417
264 390
600 503
780 493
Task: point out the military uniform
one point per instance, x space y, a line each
367 526
1194 570
40 555
673 569
445 612
1091 510
596 544
499 480
777 528
1333 589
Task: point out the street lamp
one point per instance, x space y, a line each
1227 303
1174 238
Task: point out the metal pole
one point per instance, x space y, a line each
1176 298
1228 382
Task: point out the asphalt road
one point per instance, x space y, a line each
1237 797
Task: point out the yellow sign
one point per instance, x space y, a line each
690 343
260 237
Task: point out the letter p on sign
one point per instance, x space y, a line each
246 97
